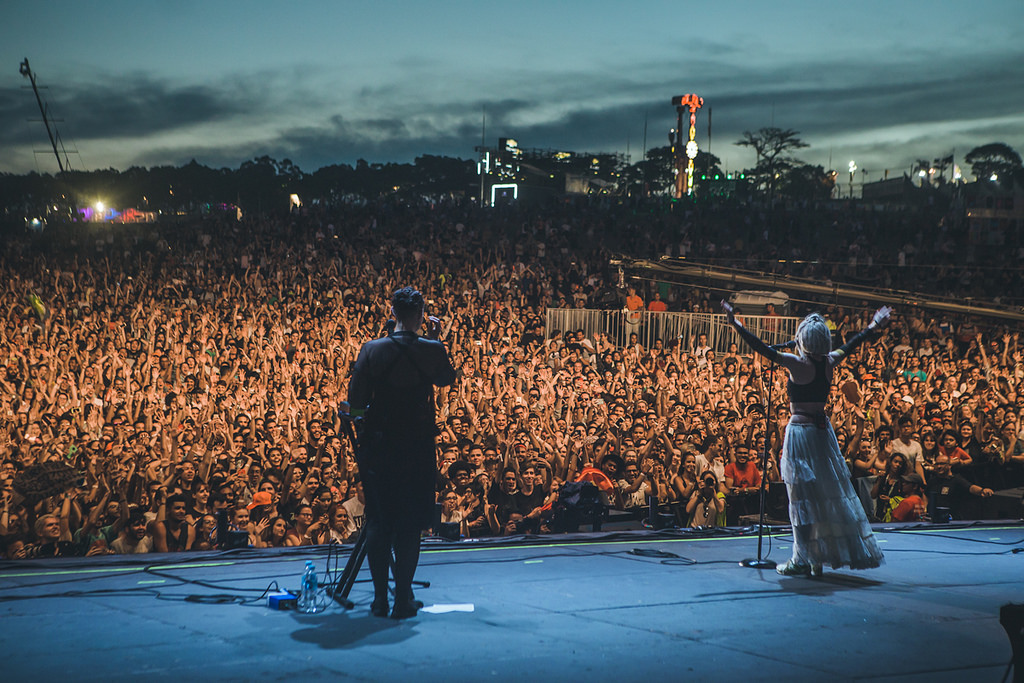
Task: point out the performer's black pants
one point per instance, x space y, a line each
398 478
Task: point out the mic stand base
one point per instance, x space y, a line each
759 564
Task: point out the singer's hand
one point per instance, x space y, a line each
433 327
730 312
882 317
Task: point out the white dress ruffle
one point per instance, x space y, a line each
829 524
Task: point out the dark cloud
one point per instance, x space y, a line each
988 90
132 106
584 110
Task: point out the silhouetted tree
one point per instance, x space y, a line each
655 171
995 158
437 175
772 147
804 181
940 165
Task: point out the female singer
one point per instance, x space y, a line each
829 524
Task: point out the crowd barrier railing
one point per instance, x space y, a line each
619 325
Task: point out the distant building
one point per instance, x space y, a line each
895 191
510 173
995 214
720 184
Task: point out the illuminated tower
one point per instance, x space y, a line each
684 177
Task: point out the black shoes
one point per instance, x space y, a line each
406 609
379 607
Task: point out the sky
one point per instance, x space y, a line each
160 82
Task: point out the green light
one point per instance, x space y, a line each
729 176
716 176
703 176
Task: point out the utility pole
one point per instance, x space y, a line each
483 144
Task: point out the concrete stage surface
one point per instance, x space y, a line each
654 606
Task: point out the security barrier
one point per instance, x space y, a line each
648 326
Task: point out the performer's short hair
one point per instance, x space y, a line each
813 336
406 301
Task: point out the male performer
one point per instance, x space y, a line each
392 387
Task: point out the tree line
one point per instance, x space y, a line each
265 184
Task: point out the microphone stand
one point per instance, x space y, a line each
759 562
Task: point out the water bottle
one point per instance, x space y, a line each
307 595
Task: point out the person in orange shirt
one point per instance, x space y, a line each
633 300
656 305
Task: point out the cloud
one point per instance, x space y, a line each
129 107
883 107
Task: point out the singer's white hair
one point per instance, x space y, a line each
813 338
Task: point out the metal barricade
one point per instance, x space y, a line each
621 325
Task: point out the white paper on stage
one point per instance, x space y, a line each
444 609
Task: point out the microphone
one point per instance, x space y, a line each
791 344
389 327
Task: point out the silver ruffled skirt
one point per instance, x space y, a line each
829 524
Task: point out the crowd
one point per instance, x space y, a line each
198 367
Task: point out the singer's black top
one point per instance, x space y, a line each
817 389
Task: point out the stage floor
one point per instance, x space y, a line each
623 607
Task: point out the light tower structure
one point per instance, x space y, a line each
51 130
687 150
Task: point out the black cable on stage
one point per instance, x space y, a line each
214 584
916 528
149 567
1012 551
647 552
102 592
192 582
666 557
159 594
213 599
217 584
237 556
